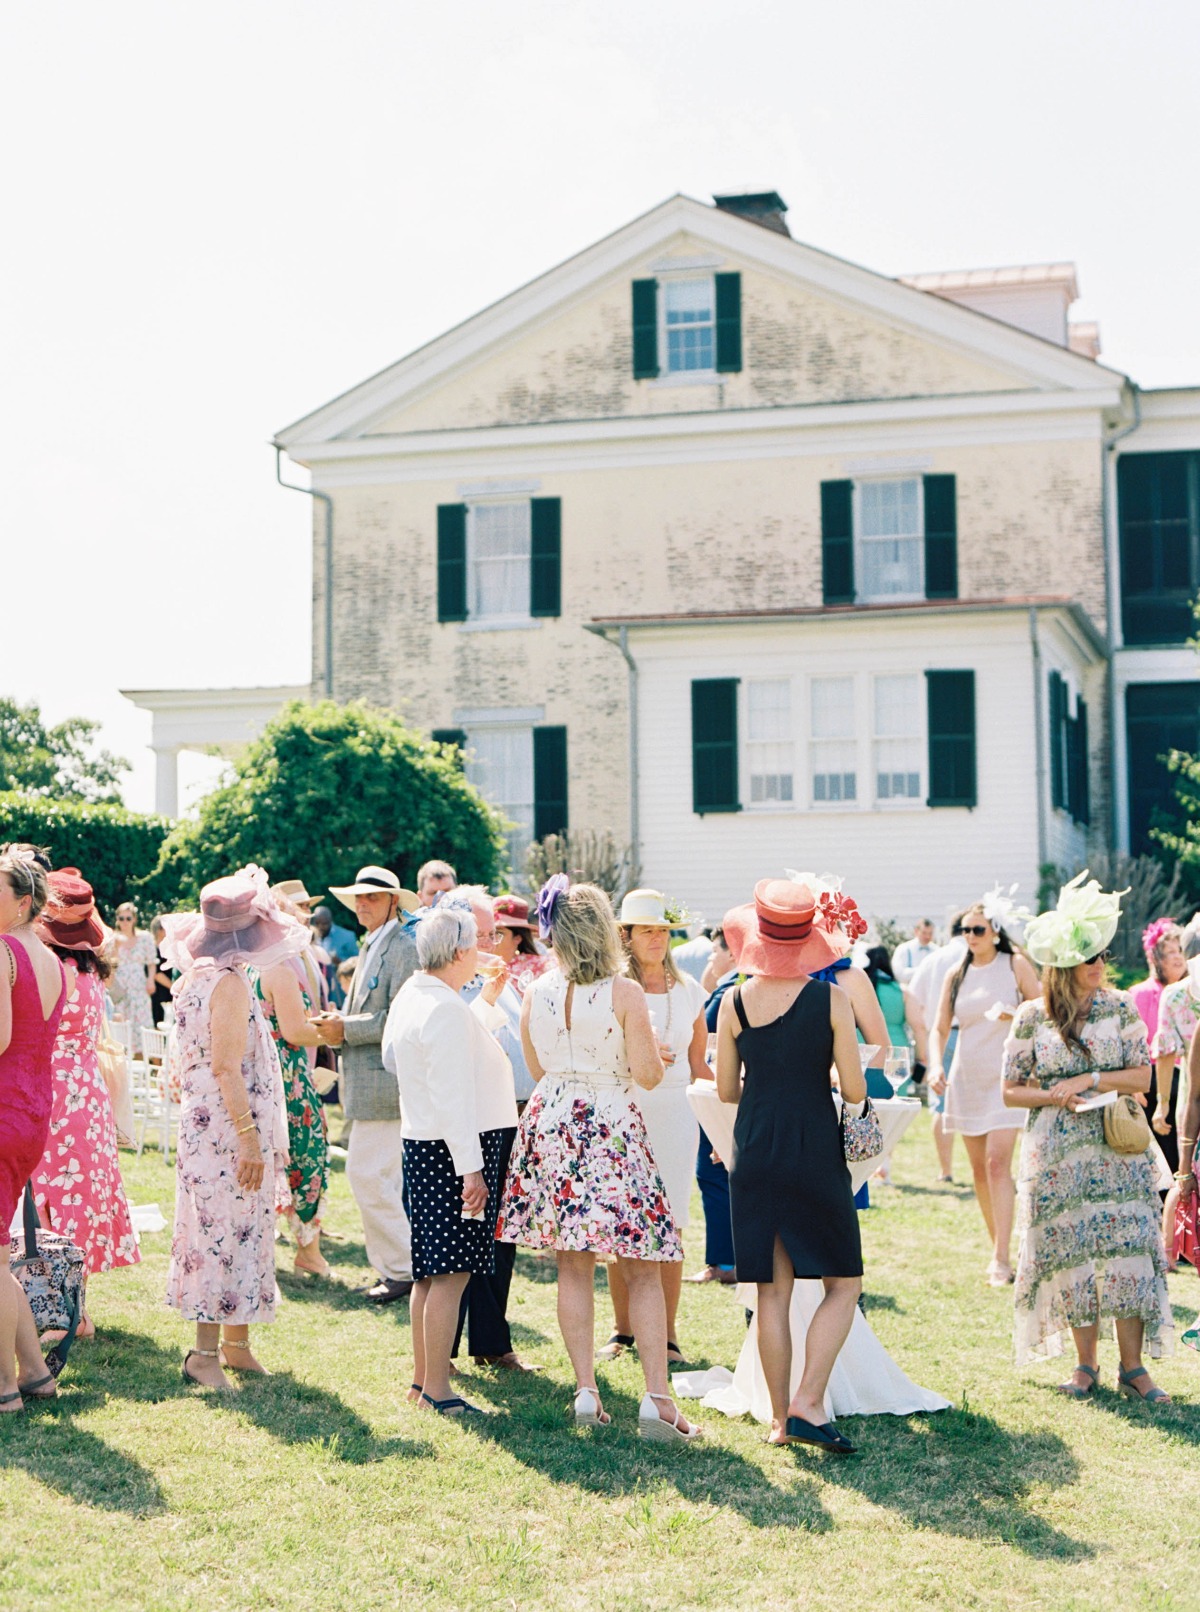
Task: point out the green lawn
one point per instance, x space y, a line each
322 1489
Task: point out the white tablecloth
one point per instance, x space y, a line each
866 1381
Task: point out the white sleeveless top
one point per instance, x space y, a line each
592 1052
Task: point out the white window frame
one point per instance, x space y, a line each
520 837
748 745
508 620
920 738
812 741
683 377
861 597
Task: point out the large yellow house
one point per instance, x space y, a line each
762 559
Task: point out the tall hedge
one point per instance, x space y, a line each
325 790
113 848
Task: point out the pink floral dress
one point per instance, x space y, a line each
78 1183
223 1248
583 1177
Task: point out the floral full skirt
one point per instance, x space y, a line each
308 1144
583 1177
1091 1240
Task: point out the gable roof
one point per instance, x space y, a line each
1035 363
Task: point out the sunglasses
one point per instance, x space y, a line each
1100 957
978 930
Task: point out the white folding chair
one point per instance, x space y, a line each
122 1031
155 1045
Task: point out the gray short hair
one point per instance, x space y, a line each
441 933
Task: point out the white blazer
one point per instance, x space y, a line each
454 1078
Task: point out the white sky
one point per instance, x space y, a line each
217 216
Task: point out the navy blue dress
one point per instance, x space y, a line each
788 1176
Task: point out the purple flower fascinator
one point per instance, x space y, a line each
549 896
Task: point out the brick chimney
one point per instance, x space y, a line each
765 207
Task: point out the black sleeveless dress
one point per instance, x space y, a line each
788 1176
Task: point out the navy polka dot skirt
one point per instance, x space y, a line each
442 1241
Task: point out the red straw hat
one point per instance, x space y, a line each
776 934
512 912
69 919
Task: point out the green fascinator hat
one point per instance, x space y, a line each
1081 924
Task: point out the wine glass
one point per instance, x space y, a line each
897 1067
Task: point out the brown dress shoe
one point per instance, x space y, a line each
509 1362
387 1291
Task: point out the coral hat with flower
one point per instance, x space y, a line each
1078 927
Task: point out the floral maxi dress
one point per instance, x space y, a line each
223 1247
77 1185
1091 1244
308 1139
127 987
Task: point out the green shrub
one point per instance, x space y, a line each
113 848
326 789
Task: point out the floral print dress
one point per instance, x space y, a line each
1089 1218
1178 1015
127 987
78 1183
582 1177
223 1247
308 1139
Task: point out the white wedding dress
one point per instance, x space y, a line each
865 1381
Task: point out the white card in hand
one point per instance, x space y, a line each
1100 1099
998 1010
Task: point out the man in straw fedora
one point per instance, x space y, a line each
369 1096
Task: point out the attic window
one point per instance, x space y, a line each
689 326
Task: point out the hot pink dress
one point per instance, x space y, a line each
26 1083
77 1183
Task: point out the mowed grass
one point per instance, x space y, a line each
321 1488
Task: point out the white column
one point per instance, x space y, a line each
166 781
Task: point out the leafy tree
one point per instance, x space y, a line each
325 790
56 763
113 848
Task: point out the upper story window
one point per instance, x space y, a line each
834 748
769 743
898 738
498 551
890 540
1158 503
689 333
687 325
499 563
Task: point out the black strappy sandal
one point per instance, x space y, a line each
31 1390
7 1399
445 1407
615 1347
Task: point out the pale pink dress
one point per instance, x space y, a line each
975 1087
223 1248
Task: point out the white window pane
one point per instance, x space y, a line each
689 323
832 707
889 509
897 707
891 569
498 543
500 765
834 775
769 710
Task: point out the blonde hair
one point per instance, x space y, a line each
633 969
585 938
25 868
1066 1004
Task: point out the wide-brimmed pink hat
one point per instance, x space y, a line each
69 919
238 923
778 934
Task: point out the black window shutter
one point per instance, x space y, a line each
549 782
729 323
951 703
1058 717
837 542
941 538
455 736
545 575
1080 790
715 745
452 562
645 329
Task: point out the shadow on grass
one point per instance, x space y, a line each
296 1412
881 1301
963 1474
940 1189
614 1462
45 1442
